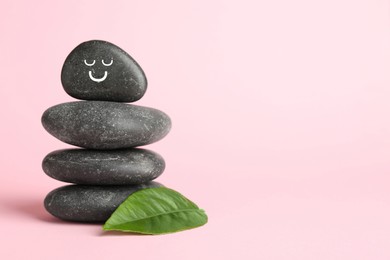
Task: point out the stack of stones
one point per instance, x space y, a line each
108 167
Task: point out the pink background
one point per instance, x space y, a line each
281 126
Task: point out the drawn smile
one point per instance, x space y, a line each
98 79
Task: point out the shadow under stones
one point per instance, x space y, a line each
112 233
32 208
26 207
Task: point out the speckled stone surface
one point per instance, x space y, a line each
93 204
96 167
99 70
105 125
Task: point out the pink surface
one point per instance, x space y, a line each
281 126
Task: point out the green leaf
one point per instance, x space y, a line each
156 211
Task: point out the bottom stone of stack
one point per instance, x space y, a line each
93 204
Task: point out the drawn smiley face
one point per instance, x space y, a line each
90 73
99 70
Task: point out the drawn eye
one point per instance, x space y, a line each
89 64
107 64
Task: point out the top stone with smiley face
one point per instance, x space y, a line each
99 70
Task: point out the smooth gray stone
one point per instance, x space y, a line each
96 167
93 204
99 70
105 125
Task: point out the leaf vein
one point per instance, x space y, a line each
165 213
